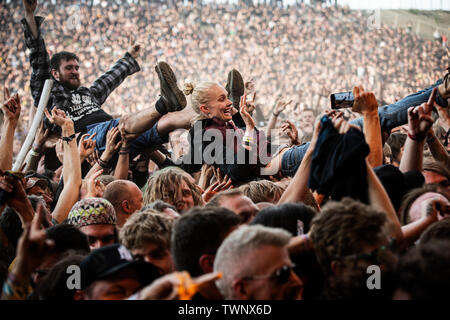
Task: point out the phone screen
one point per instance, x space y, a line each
342 100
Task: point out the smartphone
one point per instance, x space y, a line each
342 100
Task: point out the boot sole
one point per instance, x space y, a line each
236 87
167 76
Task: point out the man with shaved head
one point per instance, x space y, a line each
126 197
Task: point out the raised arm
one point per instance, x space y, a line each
366 104
71 165
419 122
279 107
17 198
37 150
11 109
126 66
289 129
431 210
39 59
297 189
30 8
32 249
111 148
437 149
123 164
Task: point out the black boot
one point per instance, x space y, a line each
235 87
172 97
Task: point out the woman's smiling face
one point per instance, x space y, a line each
218 104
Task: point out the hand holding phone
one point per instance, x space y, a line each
342 100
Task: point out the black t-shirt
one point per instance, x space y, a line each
84 110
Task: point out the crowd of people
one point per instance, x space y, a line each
157 171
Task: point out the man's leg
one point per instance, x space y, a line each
150 139
291 159
101 129
396 114
172 99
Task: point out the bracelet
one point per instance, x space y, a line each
68 139
36 147
416 138
124 152
34 153
103 164
275 115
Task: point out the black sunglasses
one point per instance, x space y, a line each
281 275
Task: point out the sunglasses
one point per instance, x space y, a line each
281 275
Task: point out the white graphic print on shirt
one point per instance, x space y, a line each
82 105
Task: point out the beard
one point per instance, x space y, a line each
71 83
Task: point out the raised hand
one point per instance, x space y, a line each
94 188
41 136
249 122
280 106
58 117
11 107
339 122
251 104
92 159
221 184
112 146
33 245
291 131
443 114
365 102
249 87
420 119
86 146
435 208
18 196
30 6
135 48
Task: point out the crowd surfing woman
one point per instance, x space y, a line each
229 139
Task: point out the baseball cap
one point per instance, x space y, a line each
110 260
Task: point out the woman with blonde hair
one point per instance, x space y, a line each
226 138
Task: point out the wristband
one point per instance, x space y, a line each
275 114
103 164
68 139
34 153
37 147
416 138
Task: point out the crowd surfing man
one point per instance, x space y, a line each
83 104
